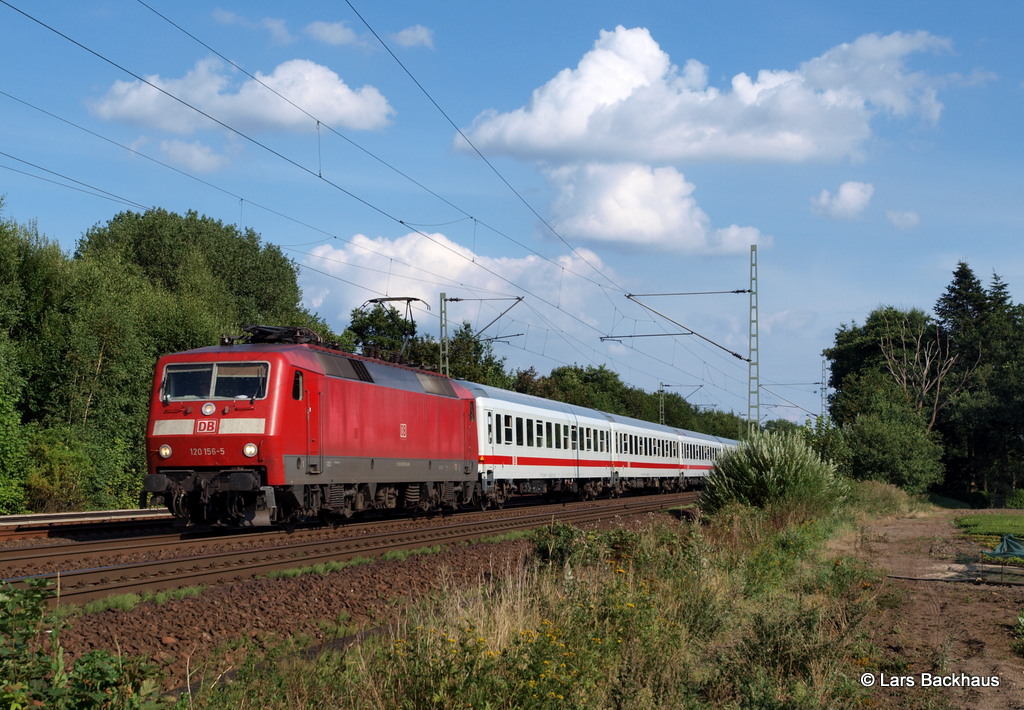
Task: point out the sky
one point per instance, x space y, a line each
570 153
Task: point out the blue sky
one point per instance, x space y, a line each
630 148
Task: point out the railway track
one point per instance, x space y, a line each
80 524
188 565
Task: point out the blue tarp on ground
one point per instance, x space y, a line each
1009 547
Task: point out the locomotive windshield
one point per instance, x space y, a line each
219 380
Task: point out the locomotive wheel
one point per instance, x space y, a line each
179 505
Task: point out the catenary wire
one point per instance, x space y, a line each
298 165
353 143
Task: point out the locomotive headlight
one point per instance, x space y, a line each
209 408
250 450
164 451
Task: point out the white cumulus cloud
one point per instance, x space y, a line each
416 36
903 219
850 200
638 206
336 33
195 156
626 100
276 27
209 86
423 266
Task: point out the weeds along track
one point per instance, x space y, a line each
84 572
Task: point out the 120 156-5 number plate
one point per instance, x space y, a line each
207 451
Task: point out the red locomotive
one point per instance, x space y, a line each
279 427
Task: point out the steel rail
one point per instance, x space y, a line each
41 525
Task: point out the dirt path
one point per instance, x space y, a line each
930 628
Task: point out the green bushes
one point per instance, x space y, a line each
34 671
775 470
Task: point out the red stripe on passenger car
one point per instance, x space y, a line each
567 463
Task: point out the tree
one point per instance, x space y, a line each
473 359
14 244
13 457
886 373
858 350
962 311
888 438
920 362
781 426
962 375
259 281
982 428
828 441
858 347
380 331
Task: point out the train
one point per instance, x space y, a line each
276 426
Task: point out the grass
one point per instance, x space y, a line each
325 568
988 529
741 611
985 527
126 602
507 537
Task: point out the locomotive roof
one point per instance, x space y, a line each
532 401
303 350
337 363
250 350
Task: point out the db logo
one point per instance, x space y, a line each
206 426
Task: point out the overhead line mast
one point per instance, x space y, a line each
444 344
753 364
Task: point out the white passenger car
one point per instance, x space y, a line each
531 444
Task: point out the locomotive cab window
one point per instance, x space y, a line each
219 380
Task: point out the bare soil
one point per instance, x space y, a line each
940 612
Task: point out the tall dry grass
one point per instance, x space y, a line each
737 611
